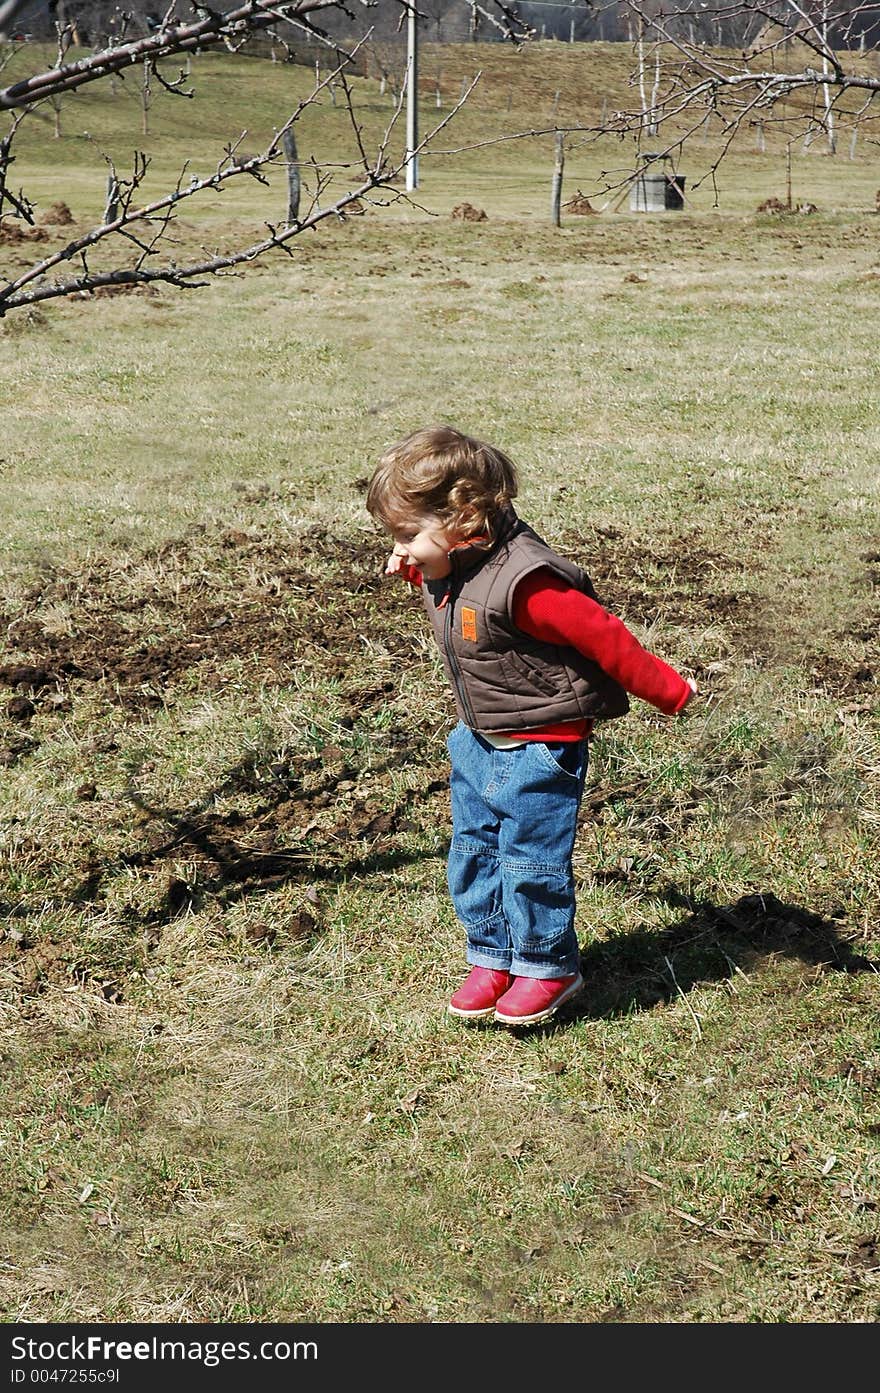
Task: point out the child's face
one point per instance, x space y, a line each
425 544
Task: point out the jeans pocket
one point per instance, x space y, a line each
567 757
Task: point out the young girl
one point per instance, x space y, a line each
533 661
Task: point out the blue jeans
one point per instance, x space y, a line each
514 817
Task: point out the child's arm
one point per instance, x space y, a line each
548 608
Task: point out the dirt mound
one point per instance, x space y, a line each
11 233
15 749
466 212
775 205
58 215
579 203
26 677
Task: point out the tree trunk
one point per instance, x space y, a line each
640 50
111 207
655 92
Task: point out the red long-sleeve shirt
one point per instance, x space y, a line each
546 607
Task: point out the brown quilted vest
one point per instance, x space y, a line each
503 679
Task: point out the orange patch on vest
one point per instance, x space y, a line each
469 623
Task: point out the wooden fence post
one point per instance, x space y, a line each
788 174
557 179
288 143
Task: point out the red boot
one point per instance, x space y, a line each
476 997
534 999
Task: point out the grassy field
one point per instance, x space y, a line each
229 1088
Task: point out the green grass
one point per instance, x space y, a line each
230 1091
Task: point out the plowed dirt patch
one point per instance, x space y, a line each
137 630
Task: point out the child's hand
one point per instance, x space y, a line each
396 565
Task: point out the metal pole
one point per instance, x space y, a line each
412 98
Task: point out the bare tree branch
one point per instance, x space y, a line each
211 28
19 203
32 286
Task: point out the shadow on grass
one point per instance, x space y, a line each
281 841
712 943
235 864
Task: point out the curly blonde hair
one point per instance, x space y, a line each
439 472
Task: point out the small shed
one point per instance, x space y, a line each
657 188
